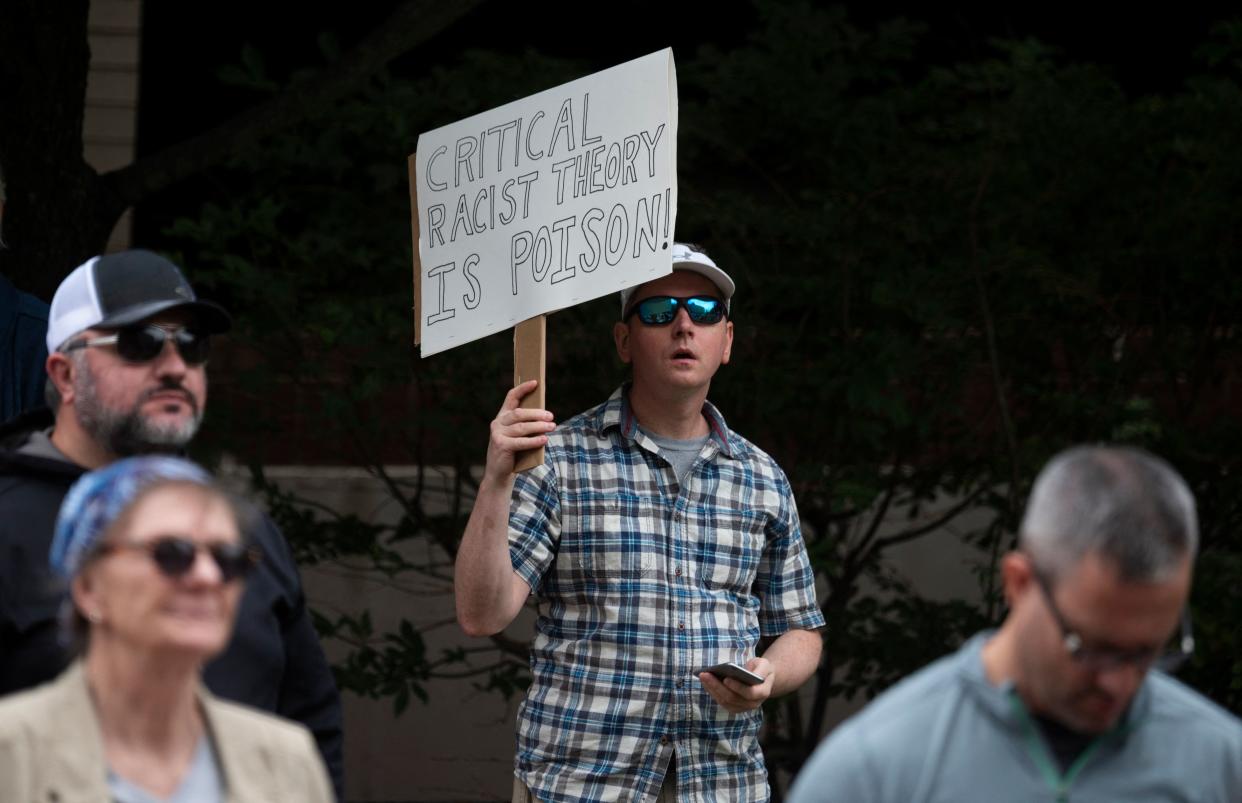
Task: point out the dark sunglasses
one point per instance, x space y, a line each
144 343
174 556
662 310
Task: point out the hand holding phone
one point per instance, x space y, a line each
732 670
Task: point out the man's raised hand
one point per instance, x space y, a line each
516 429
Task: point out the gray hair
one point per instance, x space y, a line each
1124 504
51 396
51 393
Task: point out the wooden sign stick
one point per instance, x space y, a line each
529 362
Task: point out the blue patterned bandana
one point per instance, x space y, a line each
99 497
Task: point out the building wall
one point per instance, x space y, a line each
109 128
458 746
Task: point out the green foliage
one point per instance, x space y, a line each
947 273
308 243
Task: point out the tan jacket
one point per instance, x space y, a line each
51 750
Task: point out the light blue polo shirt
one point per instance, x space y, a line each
948 735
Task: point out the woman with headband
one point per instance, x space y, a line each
153 559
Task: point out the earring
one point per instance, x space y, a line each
94 617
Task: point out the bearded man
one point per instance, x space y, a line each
128 341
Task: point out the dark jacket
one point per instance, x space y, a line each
274 662
23 351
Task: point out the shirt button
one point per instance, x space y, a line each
663 740
681 625
680 683
678 572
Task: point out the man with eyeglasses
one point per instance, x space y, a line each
1068 700
128 342
658 544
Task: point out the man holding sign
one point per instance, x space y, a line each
658 544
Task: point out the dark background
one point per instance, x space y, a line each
185 44
951 262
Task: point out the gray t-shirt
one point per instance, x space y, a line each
39 444
680 454
203 782
948 734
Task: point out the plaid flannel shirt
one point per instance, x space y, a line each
640 582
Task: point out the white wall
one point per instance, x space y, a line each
110 123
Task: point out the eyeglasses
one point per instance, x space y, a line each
661 310
1102 659
174 556
138 344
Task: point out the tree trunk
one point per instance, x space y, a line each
56 215
60 211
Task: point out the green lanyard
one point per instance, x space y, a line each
1039 752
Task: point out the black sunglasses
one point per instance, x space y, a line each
174 556
662 310
145 342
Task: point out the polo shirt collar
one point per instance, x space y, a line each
999 699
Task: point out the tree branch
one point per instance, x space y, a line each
410 25
467 673
514 647
989 329
877 519
935 524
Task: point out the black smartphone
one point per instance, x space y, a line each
732 670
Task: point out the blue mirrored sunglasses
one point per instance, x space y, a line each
662 310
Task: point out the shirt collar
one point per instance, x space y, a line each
999 699
617 413
40 444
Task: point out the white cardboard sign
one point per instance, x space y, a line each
546 202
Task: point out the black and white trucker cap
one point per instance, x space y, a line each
115 290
